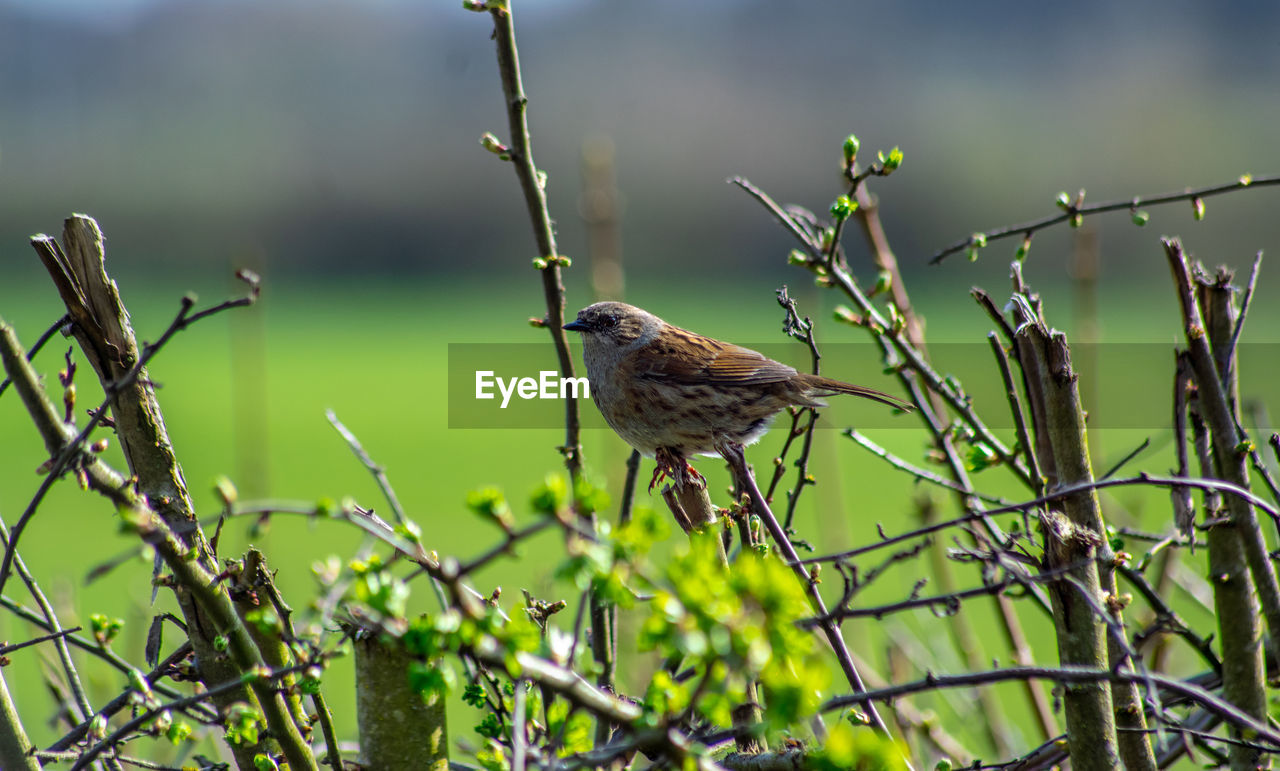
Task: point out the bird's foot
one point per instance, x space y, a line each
671 464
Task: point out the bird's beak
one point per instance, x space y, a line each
576 325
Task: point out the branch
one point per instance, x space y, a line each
533 184
920 474
746 481
40 343
1144 478
189 573
379 473
1065 676
15 747
54 626
802 330
1019 416
1228 457
127 696
1071 210
1235 604
54 429
1167 618
147 715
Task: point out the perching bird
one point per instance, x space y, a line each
671 393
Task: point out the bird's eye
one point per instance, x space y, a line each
610 320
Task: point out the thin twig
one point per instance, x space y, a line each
1244 307
921 474
1144 479
892 338
72 449
199 711
44 338
1019 416
379 473
746 481
1027 228
1064 675
1125 460
147 715
1169 619
629 487
5 650
58 634
533 185
801 329
779 460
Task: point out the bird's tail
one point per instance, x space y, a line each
825 386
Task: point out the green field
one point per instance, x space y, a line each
244 395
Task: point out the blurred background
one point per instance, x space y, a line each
340 137
333 147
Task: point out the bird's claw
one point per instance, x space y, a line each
681 472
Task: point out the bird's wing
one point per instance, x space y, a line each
702 360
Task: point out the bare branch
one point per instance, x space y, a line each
1066 676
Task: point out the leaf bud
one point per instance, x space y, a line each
843 207
850 149
490 142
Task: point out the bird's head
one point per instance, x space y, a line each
615 324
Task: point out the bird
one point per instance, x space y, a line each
672 394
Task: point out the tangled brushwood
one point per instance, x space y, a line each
1036 633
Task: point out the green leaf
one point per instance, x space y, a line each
377 588
263 762
893 161
979 457
432 679
551 496
178 732
490 728
242 724
843 208
1021 253
857 748
589 498
491 504
492 757
105 629
574 727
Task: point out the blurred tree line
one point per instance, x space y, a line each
339 137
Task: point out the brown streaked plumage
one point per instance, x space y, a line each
671 393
